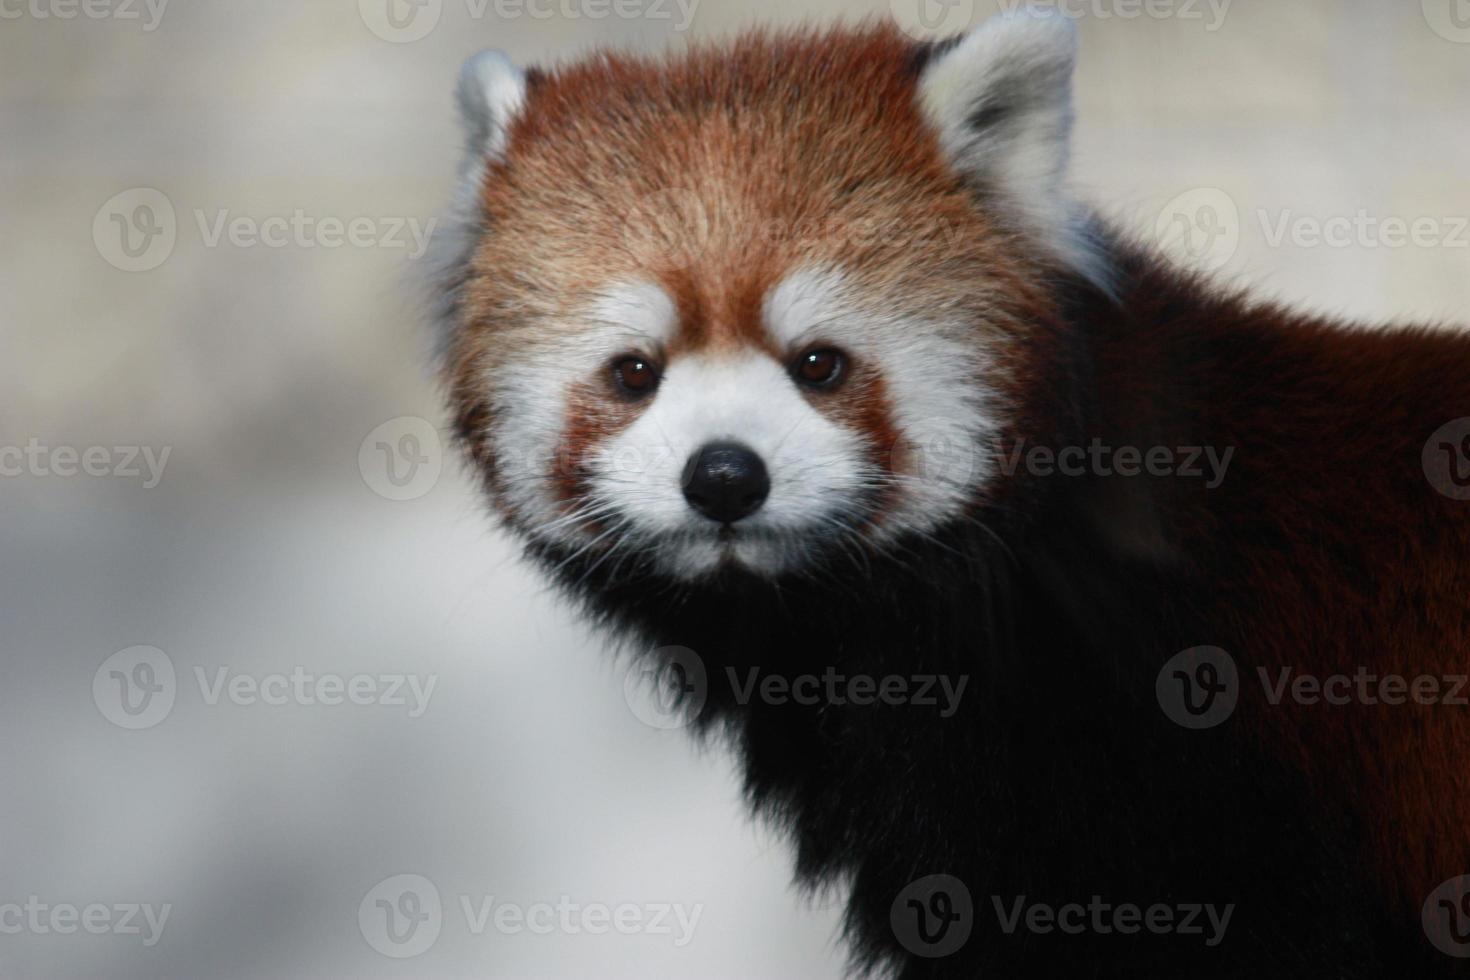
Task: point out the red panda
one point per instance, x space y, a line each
798 353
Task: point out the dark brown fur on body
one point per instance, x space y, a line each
1325 548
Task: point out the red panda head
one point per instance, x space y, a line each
752 305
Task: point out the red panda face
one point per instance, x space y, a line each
746 308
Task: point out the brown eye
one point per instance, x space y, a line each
635 375
819 368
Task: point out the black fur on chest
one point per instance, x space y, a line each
1055 777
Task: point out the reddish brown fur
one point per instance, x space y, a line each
1325 548
594 415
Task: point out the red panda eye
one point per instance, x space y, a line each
819 368
635 375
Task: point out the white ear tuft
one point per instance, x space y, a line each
491 91
1001 99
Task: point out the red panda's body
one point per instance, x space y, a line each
667 255
1326 551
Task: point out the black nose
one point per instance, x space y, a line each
724 481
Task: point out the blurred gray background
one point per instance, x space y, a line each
148 303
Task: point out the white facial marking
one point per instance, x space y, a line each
815 466
642 311
932 371
531 397
823 471
802 305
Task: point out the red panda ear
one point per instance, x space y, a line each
491 91
1001 100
